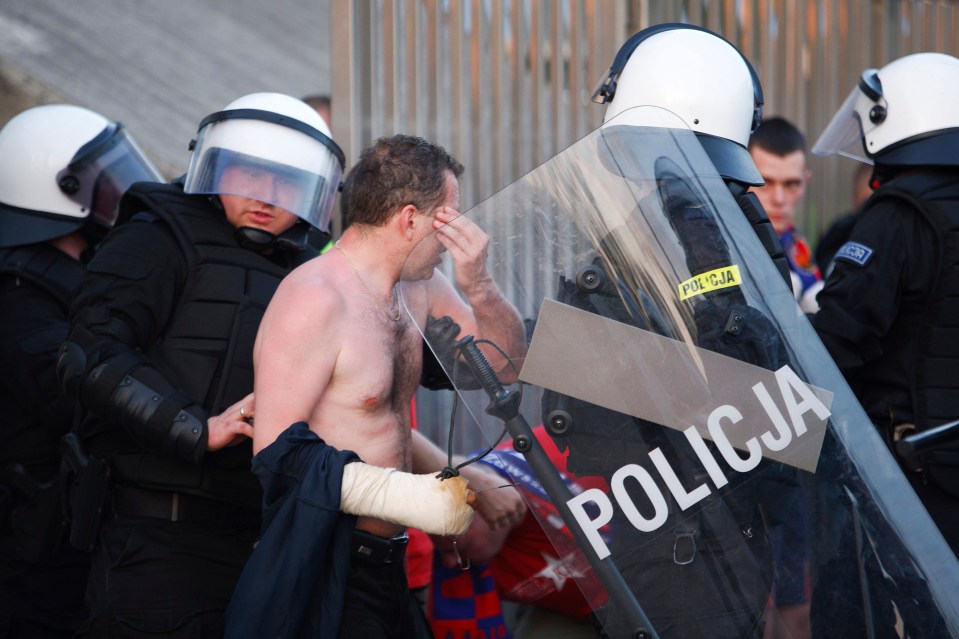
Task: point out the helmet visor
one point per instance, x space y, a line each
272 164
103 170
847 131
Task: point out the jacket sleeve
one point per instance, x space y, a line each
863 293
129 293
34 325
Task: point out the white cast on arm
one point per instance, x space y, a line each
417 501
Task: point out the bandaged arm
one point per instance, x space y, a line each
438 507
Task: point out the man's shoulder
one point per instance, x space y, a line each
310 288
314 272
143 232
886 218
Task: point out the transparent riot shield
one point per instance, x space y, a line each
714 461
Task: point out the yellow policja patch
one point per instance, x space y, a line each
713 280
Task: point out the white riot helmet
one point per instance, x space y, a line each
274 134
700 77
905 114
63 168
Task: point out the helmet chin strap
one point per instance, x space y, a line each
260 241
255 239
248 237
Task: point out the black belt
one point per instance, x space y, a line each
181 507
379 550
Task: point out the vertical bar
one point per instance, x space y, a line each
429 111
554 48
536 84
478 115
343 86
388 52
454 28
409 57
496 100
763 54
518 89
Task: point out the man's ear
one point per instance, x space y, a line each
406 219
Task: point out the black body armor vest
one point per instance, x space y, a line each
45 266
935 370
931 329
207 346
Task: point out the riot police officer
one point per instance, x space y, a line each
693 76
712 87
887 314
62 171
160 354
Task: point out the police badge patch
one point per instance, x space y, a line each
855 253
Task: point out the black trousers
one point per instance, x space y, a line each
40 601
942 506
151 577
379 604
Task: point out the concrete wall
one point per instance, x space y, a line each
159 67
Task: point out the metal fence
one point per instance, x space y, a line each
505 84
809 55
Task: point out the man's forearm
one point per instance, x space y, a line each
499 506
498 321
427 457
438 507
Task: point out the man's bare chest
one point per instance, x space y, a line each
382 364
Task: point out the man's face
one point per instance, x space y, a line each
428 253
785 177
245 211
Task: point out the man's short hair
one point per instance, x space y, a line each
778 136
394 172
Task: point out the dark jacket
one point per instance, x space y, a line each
294 582
42 580
889 312
37 284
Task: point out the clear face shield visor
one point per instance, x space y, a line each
102 170
848 131
292 166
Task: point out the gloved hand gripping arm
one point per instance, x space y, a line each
437 507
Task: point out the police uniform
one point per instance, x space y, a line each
728 570
41 578
887 314
166 321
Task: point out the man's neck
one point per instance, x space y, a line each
369 252
73 244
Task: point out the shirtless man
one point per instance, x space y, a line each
336 351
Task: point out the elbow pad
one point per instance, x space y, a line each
159 420
437 507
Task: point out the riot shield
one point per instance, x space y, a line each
715 462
